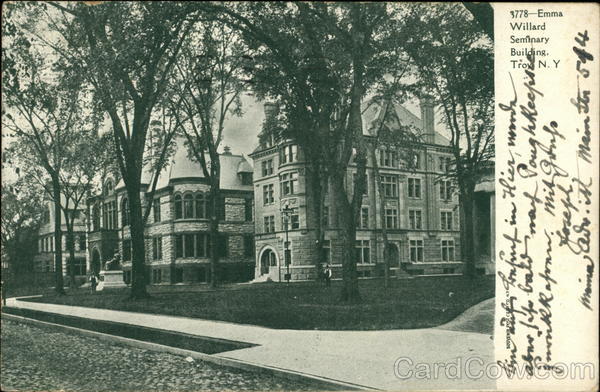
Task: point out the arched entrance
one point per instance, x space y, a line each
267 259
95 262
394 255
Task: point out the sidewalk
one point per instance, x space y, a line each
364 358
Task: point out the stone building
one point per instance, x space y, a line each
44 259
421 209
177 240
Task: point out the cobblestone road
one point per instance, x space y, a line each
36 359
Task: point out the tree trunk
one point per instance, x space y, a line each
317 188
71 248
347 224
215 204
59 283
467 232
138 246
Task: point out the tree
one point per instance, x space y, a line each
41 111
319 60
206 90
453 59
127 51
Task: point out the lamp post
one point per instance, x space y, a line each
286 218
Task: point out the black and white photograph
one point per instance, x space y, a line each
268 196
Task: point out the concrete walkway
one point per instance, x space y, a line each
370 359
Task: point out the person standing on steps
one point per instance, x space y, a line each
328 275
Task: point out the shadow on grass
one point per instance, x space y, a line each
414 303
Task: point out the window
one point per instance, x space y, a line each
110 215
325 216
156 210
445 190
76 266
390 186
200 206
391 218
364 218
388 158
96 217
192 245
178 207
157 248
246 178
327 251
446 220
222 246
363 250
267 167
289 183
268 194
414 219
82 242
178 275
447 250
109 187
188 206
269 224
289 154
292 219
221 209
416 251
414 188
126 250
444 164
125 212
156 276
248 210
248 245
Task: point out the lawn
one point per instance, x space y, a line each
414 303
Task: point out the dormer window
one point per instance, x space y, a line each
109 187
246 178
289 154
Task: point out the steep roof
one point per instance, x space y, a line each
181 166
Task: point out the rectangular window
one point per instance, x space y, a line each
82 242
192 245
157 248
363 250
388 158
414 188
268 194
293 219
416 251
248 210
221 209
156 276
391 218
178 275
446 220
364 218
447 250
390 186
289 184
269 224
444 164
222 245
246 178
289 154
156 210
179 246
202 244
248 245
267 167
445 190
188 245
126 250
325 216
414 219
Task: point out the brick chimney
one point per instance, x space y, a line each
271 109
427 119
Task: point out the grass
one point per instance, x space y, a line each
414 303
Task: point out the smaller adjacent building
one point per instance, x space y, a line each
44 259
177 231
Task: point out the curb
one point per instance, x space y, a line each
216 359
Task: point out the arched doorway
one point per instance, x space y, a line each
95 262
267 259
394 255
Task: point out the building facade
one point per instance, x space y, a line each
177 231
44 259
420 207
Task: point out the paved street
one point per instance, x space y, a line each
35 359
